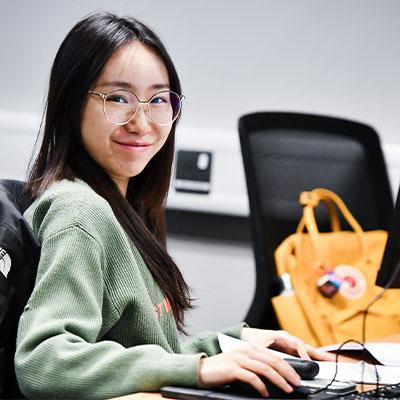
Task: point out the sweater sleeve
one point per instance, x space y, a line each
58 354
207 342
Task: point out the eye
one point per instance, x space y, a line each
160 99
117 98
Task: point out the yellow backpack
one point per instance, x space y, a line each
330 278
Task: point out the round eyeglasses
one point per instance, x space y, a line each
121 105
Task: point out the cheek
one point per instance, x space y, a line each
163 135
89 140
94 134
88 127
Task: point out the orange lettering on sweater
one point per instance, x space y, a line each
167 305
164 306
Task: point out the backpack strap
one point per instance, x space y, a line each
19 258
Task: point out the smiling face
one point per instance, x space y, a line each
123 151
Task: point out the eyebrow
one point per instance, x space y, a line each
127 85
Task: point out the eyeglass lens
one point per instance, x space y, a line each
121 105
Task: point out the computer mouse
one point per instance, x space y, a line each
306 369
246 390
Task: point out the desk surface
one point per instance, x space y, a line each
157 396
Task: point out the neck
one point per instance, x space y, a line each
122 184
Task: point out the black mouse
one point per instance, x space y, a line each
246 390
306 369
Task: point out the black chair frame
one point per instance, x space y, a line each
261 313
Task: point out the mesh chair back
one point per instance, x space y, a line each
287 153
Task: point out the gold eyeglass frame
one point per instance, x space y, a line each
104 96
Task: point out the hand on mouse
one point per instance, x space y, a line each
248 363
285 342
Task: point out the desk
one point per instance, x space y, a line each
393 338
141 396
157 396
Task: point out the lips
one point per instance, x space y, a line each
133 147
134 144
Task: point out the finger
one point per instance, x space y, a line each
286 371
244 375
287 343
303 350
265 356
319 355
269 373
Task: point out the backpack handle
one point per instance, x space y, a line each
310 201
313 200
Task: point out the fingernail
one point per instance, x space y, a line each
290 389
297 381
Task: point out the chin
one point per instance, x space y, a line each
135 172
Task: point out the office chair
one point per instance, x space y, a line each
19 257
287 153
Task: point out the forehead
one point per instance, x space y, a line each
135 64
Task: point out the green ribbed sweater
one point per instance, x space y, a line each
97 325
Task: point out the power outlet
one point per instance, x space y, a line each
193 171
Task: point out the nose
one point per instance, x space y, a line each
140 123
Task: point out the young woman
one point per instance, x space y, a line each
108 302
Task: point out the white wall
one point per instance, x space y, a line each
221 276
340 58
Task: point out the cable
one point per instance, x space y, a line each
363 335
337 367
371 303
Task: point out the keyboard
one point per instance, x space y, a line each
384 392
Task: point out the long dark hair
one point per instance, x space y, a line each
78 63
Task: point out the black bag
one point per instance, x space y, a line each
19 258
